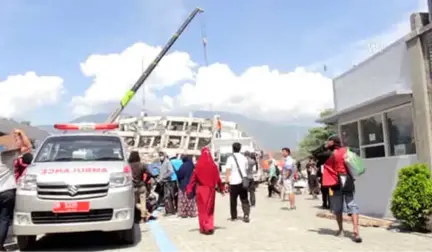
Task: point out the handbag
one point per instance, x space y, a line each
245 181
345 181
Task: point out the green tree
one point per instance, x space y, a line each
316 136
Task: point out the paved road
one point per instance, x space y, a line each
272 227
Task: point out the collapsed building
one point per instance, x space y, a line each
174 135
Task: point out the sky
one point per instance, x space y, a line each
272 60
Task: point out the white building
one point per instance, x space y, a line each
180 135
383 112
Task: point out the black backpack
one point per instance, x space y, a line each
277 171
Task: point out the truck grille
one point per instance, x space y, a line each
71 192
57 218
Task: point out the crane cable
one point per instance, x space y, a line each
204 44
204 38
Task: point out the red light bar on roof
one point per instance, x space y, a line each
87 126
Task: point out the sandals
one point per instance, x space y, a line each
357 239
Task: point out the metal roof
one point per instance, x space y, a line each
333 118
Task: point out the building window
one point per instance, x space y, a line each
350 136
374 151
372 137
400 128
372 130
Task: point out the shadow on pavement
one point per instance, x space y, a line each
312 199
85 241
197 229
286 208
331 232
319 207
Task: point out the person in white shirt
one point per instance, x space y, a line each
236 167
288 176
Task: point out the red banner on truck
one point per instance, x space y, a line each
73 170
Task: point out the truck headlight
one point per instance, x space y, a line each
119 179
27 182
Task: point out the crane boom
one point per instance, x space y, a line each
131 92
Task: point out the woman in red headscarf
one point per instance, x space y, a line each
204 180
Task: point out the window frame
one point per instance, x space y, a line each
383 143
386 140
388 134
358 131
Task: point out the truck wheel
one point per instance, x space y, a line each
26 242
128 236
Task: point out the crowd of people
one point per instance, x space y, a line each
189 189
184 184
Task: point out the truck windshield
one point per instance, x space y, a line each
80 148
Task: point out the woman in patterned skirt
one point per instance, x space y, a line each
186 207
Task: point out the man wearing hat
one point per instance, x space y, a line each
340 182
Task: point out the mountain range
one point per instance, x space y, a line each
269 135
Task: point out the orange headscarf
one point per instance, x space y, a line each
22 141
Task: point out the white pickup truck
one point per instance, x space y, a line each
77 182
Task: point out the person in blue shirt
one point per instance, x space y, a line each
176 163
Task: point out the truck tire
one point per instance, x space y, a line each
26 242
128 236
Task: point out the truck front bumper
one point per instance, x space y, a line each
117 209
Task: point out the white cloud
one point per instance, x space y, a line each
21 94
257 91
114 74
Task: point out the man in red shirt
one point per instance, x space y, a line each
340 182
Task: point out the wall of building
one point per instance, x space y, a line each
383 73
375 108
374 188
